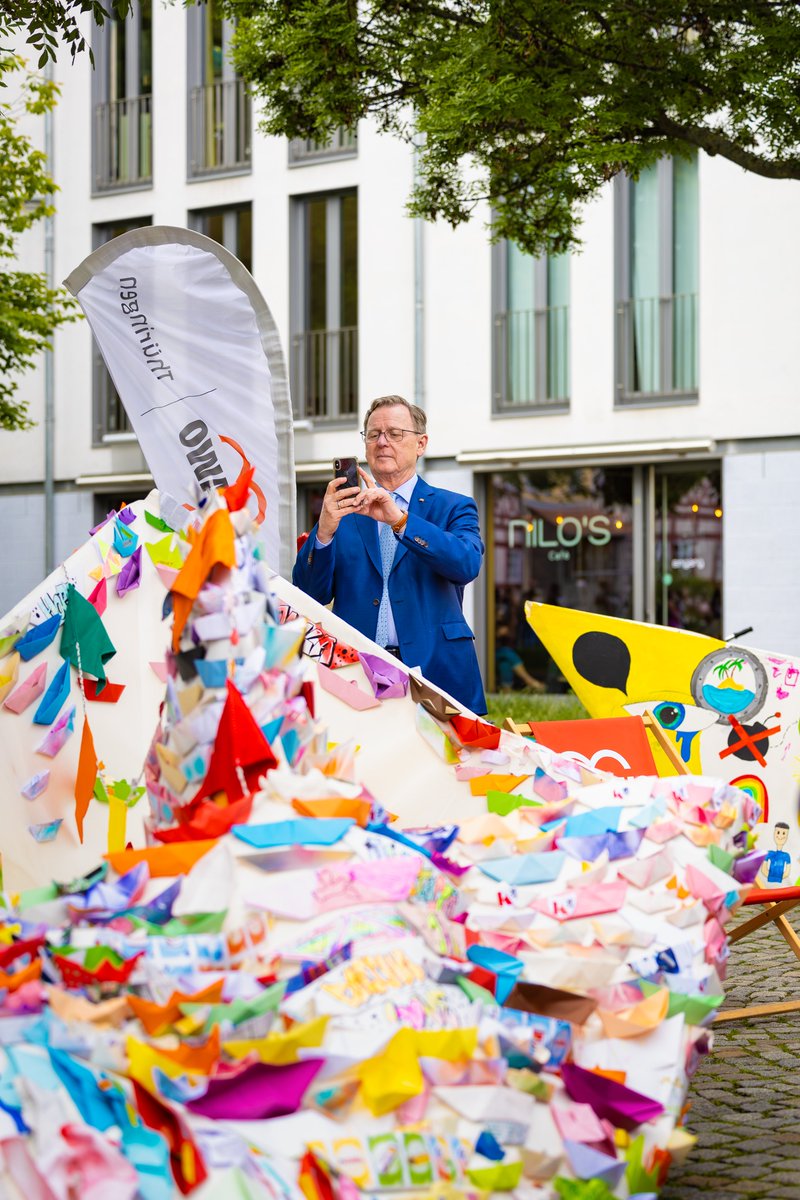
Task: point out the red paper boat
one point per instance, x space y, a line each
75 975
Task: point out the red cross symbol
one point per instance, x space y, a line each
748 741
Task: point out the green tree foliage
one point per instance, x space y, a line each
532 105
47 21
29 310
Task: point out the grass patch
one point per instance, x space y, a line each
533 706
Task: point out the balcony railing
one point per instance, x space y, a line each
219 128
657 347
531 359
325 374
343 144
123 144
110 418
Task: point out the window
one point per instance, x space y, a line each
104 502
531 322
232 227
688 548
109 421
310 497
561 535
324 344
641 541
122 85
657 283
219 107
343 144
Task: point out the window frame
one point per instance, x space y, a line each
623 257
233 102
100 96
299 294
540 405
304 152
230 214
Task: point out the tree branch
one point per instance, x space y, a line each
715 142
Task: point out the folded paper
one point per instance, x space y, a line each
55 738
28 690
53 699
387 679
37 638
84 640
345 689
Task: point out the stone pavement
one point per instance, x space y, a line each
745 1096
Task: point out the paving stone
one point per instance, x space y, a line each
745 1096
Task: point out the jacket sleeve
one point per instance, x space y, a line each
455 552
314 567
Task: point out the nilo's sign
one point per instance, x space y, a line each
559 538
195 357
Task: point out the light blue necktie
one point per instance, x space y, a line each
388 543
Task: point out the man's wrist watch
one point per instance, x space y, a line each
400 524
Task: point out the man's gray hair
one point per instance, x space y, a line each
419 420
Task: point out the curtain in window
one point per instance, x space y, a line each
644 282
520 334
558 327
685 257
125 132
326 366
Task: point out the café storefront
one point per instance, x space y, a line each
641 541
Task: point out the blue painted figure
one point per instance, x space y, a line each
774 870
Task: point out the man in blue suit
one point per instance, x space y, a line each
394 556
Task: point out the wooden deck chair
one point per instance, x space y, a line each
775 903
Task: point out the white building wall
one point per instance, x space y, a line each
22 515
761 548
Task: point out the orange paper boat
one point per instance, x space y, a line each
174 859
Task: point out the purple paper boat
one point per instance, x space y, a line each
747 867
623 1107
387 680
131 574
257 1093
105 899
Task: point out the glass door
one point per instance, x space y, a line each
688 547
564 535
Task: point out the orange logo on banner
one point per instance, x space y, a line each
247 466
618 745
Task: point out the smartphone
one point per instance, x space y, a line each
348 467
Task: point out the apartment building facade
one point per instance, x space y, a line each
626 417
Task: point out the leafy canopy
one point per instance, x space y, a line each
532 105
29 310
48 20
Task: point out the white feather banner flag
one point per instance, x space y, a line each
196 359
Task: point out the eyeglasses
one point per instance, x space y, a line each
391 435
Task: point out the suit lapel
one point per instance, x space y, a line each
369 536
421 499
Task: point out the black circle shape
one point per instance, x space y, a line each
602 659
746 751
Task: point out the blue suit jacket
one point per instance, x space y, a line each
440 551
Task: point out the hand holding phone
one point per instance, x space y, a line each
349 468
340 498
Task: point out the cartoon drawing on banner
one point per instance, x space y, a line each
730 682
774 871
729 711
